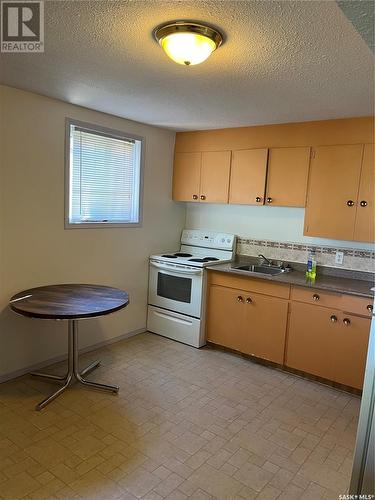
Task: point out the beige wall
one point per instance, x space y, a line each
35 249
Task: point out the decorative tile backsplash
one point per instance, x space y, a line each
355 259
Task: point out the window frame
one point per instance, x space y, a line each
118 134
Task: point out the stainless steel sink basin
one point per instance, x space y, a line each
271 270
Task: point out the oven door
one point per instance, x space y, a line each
176 288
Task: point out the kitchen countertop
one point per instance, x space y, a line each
339 284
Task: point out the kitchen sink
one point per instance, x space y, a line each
271 270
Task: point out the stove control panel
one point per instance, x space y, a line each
208 239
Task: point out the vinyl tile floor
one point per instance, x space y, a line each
187 423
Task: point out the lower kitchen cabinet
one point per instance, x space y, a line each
351 350
225 317
311 339
264 327
328 343
318 332
248 322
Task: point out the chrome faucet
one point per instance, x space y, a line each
269 262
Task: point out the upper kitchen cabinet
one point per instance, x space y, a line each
215 172
288 170
201 177
248 176
364 224
332 193
186 176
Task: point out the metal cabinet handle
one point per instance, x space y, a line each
363 203
350 203
240 298
346 321
195 196
316 297
333 318
249 300
203 197
370 308
269 200
258 199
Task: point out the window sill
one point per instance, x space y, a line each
101 225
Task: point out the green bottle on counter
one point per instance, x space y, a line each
311 266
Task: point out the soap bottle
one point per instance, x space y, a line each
311 265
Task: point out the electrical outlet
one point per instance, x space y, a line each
339 259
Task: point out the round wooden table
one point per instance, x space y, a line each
70 302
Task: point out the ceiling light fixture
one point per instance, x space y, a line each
188 42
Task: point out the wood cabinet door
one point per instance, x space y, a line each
215 173
225 316
186 176
311 339
332 191
248 176
288 170
351 350
265 327
365 223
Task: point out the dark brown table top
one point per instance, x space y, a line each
68 301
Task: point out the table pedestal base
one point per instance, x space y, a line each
73 374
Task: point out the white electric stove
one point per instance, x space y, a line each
177 284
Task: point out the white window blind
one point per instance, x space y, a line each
104 177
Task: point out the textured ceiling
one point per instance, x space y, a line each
362 14
281 62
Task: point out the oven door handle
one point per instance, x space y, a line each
176 270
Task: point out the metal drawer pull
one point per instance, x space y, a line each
258 199
346 321
316 297
239 298
350 203
269 200
195 196
333 318
249 300
203 197
370 308
363 203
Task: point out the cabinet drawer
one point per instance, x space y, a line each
314 296
357 305
249 284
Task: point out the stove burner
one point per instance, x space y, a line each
181 254
197 260
208 259
170 256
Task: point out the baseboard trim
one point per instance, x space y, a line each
19 373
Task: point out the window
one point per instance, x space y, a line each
103 177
